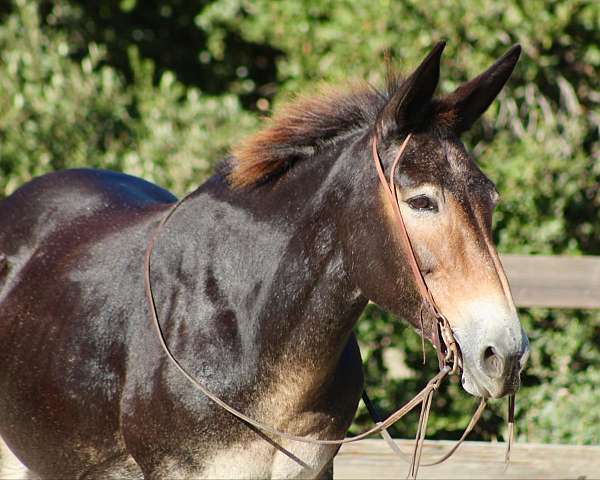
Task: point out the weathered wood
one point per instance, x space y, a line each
373 459
554 281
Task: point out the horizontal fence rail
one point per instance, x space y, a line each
552 281
480 460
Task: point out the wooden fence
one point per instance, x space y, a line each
560 282
474 460
536 281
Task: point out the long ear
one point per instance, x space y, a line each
468 102
407 105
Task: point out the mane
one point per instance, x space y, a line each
305 126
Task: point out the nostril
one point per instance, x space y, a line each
492 362
489 352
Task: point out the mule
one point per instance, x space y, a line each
259 278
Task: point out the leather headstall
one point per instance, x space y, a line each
441 333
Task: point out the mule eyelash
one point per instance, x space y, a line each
422 203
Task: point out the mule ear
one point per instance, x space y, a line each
408 104
468 102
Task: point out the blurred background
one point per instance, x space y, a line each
163 89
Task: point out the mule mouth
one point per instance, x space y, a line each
480 385
476 377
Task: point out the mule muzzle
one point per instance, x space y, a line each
492 366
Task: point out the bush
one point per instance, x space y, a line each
60 113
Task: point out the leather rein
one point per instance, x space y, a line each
447 350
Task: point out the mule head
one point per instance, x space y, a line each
447 203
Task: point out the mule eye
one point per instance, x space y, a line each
422 202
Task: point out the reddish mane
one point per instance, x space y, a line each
300 128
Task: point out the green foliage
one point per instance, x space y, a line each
162 89
60 113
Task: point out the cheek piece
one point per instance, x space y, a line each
442 337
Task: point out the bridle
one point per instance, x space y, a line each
447 350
